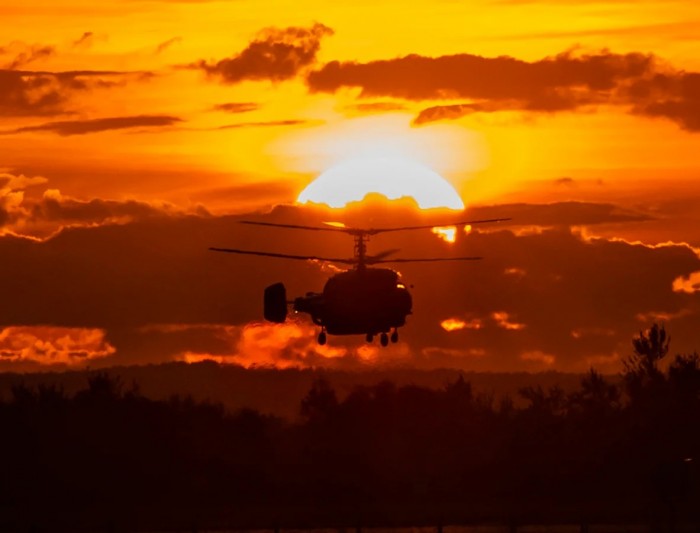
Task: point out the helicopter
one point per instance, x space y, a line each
361 300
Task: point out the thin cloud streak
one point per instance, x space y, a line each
84 127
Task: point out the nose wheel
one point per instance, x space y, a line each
384 339
322 338
395 336
369 337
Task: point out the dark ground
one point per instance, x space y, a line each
94 452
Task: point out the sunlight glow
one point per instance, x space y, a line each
456 324
393 176
688 284
453 324
447 233
538 356
504 320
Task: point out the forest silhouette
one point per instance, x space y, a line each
612 450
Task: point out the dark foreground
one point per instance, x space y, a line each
108 458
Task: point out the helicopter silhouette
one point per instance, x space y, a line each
358 301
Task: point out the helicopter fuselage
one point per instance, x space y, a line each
362 300
366 301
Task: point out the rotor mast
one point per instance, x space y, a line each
361 236
361 239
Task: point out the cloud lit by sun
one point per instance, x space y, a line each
457 324
447 233
453 324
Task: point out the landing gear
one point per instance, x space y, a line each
369 337
322 338
384 339
395 337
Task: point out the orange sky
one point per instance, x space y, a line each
135 127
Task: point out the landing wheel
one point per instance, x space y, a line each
395 337
384 339
369 337
322 338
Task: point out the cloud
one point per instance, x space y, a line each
560 214
124 278
547 84
275 54
237 107
293 345
83 127
162 47
37 94
247 194
55 207
538 356
376 107
565 82
449 112
268 124
505 321
42 93
689 284
125 268
85 40
290 345
47 345
52 211
566 181
10 182
569 284
676 97
24 54
12 196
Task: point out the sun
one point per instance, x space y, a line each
393 176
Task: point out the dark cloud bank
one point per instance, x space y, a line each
546 299
640 82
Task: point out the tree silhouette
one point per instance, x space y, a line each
643 378
319 402
596 397
649 348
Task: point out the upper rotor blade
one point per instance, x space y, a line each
440 225
285 256
293 226
374 231
426 259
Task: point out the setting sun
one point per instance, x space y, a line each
392 176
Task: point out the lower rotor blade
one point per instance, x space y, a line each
284 256
427 259
383 254
293 226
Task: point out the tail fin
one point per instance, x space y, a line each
275 303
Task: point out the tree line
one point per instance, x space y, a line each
612 450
